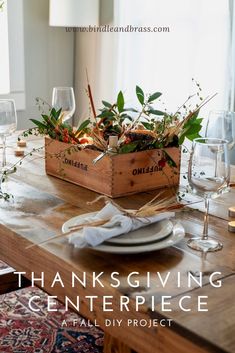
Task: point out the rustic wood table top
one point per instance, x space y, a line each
42 204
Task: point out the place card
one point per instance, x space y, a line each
113 141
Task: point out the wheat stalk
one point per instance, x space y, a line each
91 97
98 140
72 230
175 130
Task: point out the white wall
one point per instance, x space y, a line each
49 57
89 55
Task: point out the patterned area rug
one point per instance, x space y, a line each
26 331
3 265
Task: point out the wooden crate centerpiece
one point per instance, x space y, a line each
114 175
140 146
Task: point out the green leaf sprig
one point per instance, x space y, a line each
147 127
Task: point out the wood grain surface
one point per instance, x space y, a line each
114 175
43 203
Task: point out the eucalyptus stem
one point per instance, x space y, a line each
187 100
139 116
12 168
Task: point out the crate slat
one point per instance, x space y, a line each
114 176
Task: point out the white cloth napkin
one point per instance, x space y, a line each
118 224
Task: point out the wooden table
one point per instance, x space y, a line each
41 205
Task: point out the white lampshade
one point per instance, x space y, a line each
74 13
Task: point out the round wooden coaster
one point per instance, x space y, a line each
231 212
231 226
19 152
21 143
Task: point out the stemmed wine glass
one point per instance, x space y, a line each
221 124
208 173
63 97
8 121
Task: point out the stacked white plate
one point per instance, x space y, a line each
153 237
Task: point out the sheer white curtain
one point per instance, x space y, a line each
4 51
197 46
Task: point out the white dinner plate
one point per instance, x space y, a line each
165 235
152 232
177 235
147 234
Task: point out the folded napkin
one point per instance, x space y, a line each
118 224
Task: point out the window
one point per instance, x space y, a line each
197 46
13 54
4 50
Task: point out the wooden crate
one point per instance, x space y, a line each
114 176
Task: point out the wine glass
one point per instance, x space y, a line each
8 121
208 172
221 124
63 98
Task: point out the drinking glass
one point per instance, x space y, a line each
8 121
63 97
208 173
221 124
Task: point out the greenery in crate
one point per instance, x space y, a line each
137 129
52 125
150 128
